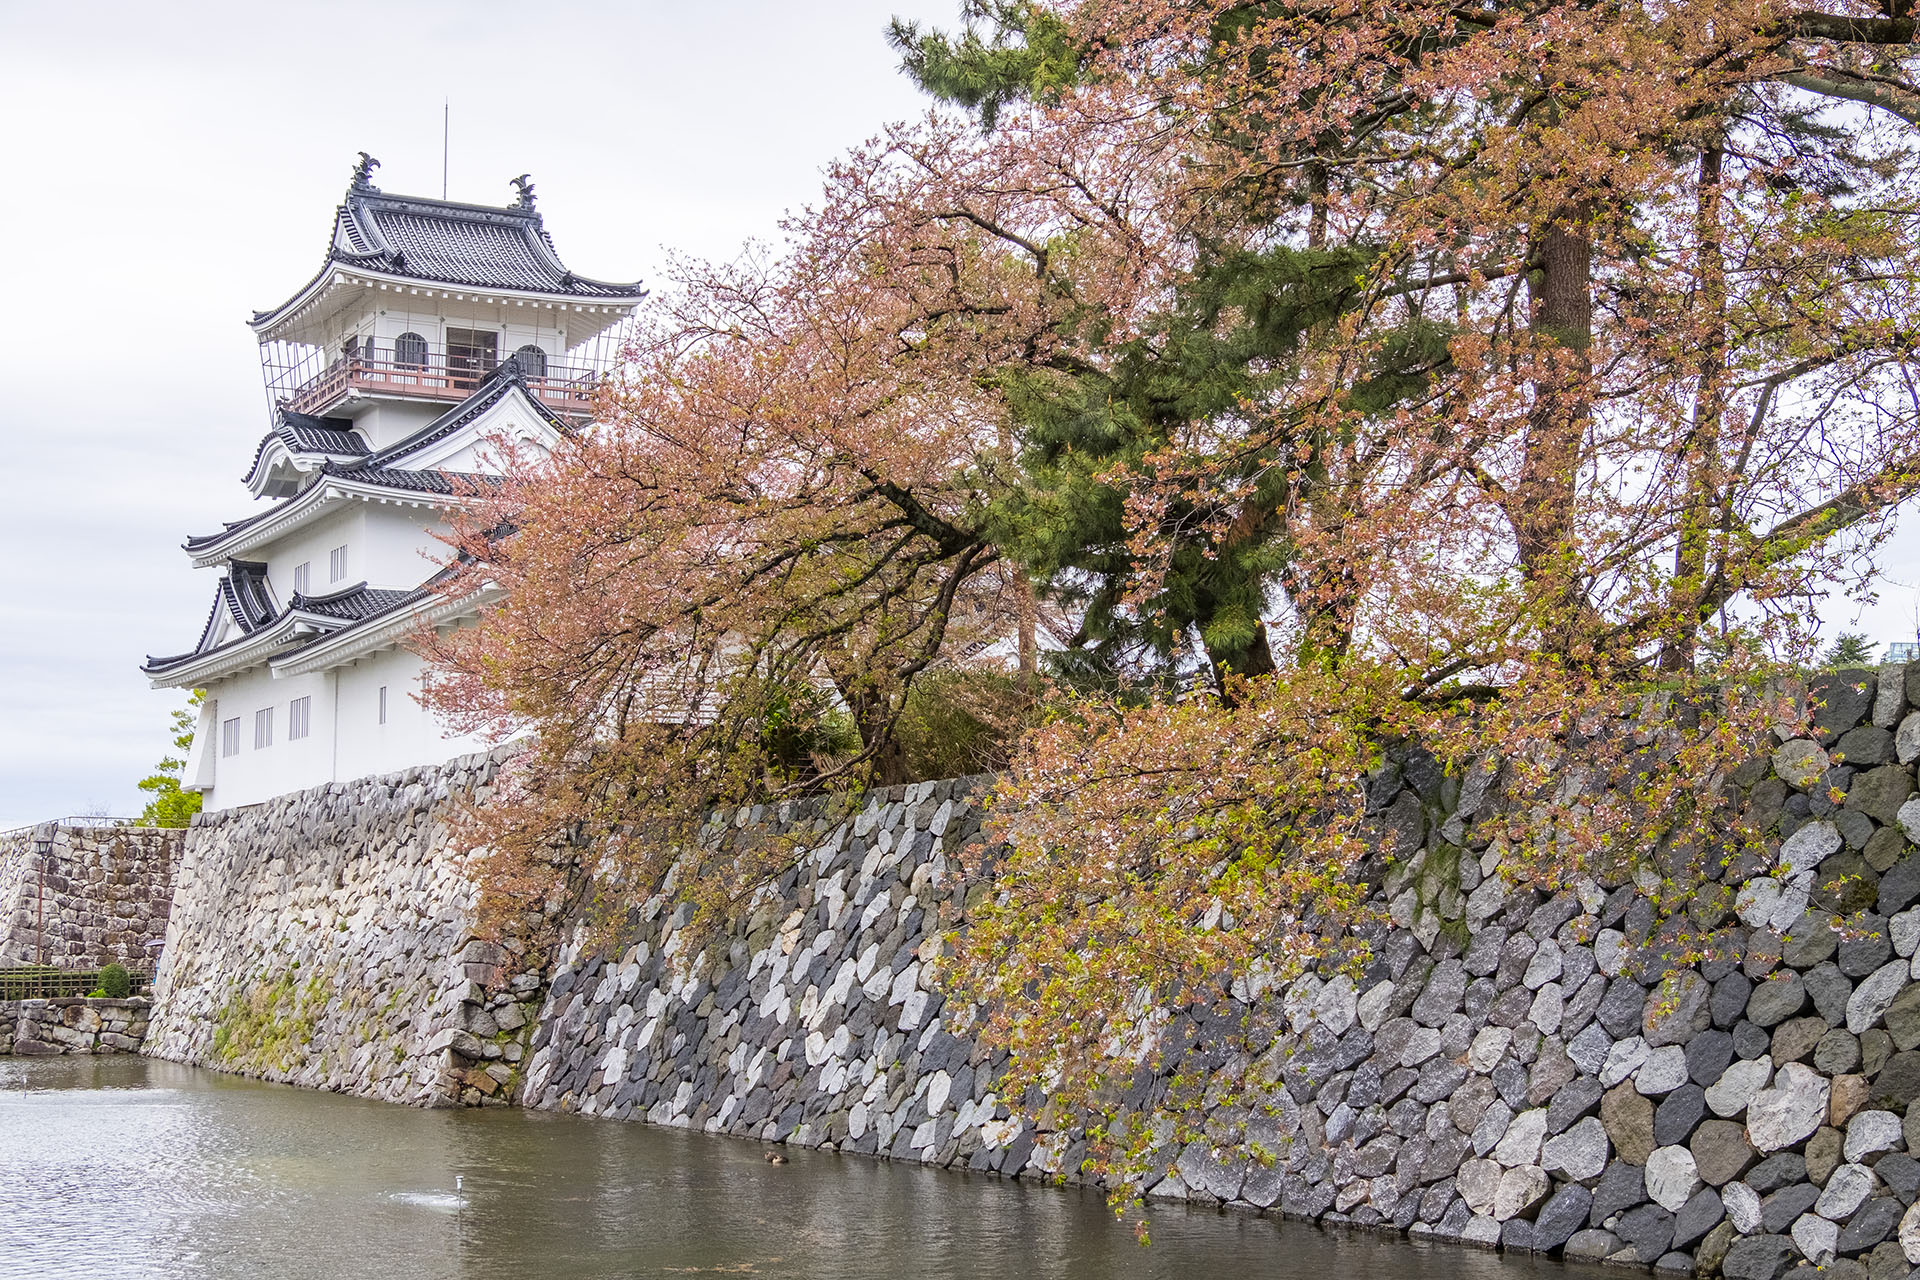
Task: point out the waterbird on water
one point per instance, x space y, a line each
774 1157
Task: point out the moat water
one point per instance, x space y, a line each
119 1167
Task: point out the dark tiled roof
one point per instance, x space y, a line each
244 597
403 599
443 241
303 433
195 541
355 604
309 434
446 482
246 584
375 468
397 478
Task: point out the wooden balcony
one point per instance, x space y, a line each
566 389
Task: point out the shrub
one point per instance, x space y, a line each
115 982
802 731
958 722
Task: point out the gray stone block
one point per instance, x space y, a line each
1780 997
1764 1257
1701 1214
1779 1210
1678 1113
1620 1188
1750 1041
1648 1228
1576 1099
1708 1055
1593 1245
1829 989
1873 1222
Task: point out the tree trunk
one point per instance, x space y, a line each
1540 506
1317 197
873 719
1324 599
1029 647
1700 452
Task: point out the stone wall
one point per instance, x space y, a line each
81 896
325 939
47 1028
1511 1071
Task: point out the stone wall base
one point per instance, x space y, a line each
50 1028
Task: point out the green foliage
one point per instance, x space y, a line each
1027 54
957 722
1228 349
115 982
1849 649
172 806
802 728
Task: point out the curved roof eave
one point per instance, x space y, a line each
236 655
330 486
263 322
379 631
274 449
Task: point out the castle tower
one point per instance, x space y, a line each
431 328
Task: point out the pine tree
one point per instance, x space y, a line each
1849 649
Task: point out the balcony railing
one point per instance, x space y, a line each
565 388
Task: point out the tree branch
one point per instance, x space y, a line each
1851 30
1860 91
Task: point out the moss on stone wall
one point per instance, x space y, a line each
267 1024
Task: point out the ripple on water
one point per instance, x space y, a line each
165 1171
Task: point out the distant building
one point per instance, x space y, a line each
1903 651
432 328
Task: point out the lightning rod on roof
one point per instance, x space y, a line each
446 135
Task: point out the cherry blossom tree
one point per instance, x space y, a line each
1401 378
1522 359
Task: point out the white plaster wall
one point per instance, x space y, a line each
346 741
388 422
411 736
256 774
310 544
387 546
397 547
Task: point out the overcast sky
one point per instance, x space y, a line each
172 167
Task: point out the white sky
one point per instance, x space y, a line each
173 167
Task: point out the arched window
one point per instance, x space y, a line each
410 351
532 361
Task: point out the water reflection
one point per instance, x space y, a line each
122 1167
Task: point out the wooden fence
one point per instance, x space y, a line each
44 982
